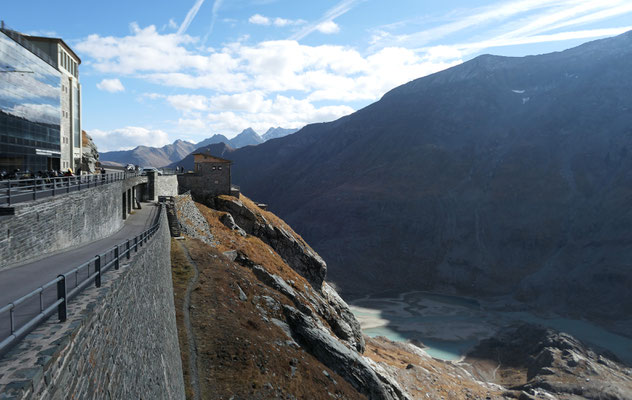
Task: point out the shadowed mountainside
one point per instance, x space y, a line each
498 176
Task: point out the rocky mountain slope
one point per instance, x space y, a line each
257 320
546 363
247 137
275 133
150 156
217 138
500 176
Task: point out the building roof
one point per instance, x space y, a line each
211 158
56 40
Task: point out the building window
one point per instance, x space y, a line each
217 182
220 168
213 168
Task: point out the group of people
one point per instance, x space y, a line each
27 174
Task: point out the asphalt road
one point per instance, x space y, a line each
24 278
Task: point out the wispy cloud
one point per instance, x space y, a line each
510 23
190 15
339 9
216 6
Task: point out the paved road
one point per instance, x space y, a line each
22 279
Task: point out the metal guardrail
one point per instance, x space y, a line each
21 190
68 285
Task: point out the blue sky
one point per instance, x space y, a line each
155 71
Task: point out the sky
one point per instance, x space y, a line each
154 71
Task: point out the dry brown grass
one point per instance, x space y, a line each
255 249
240 353
271 218
436 378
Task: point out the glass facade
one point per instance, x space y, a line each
30 110
76 129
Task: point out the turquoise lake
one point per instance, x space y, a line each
450 325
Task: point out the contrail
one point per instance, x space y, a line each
190 15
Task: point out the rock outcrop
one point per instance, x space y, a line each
541 361
89 154
281 238
347 363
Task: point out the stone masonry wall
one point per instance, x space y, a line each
119 342
56 223
52 224
206 182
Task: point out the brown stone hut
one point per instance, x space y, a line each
210 177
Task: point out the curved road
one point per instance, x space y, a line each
22 279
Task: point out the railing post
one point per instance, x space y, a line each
116 257
9 192
128 250
12 316
136 244
62 308
34 189
68 185
97 268
54 185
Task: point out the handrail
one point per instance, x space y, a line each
21 190
65 288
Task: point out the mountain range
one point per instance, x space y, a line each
171 153
502 176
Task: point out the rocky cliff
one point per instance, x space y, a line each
261 285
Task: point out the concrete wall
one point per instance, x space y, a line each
166 185
119 342
56 223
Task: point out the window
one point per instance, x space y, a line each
220 168
216 182
213 168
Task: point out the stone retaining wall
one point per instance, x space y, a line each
119 342
56 223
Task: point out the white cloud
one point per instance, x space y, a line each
259 19
285 83
280 22
111 85
328 27
339 9
144 50
128 138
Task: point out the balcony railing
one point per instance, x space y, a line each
55 295
21 190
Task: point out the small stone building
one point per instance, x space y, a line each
210 177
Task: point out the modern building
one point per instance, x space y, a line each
67 63
40 103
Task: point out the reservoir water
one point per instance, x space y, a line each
450 325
